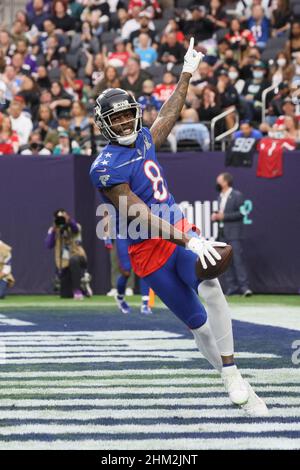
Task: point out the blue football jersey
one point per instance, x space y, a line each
138 166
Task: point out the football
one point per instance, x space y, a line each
214 271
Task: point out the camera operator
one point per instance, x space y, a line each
6 277
70 257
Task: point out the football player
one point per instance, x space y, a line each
122 279
128 170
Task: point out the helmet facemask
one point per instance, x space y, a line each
119 134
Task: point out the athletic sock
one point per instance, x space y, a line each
121 284
207 345
219 315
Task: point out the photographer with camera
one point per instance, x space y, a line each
70 257
6 277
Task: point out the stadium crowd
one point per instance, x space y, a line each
58 55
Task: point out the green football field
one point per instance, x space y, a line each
80 375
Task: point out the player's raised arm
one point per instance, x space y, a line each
171 109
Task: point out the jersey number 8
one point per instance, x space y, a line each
160 192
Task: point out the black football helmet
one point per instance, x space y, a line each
115 100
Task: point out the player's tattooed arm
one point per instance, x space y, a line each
170 111
131 206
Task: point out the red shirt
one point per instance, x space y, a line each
163 92
150 255
270 156
6 148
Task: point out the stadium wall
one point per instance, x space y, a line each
32 188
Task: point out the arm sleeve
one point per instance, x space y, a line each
50 238
74 226
105 177
236 214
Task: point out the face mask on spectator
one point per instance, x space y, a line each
297 70
281 62
233 75
258 74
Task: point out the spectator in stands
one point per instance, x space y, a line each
30 92
238 38
134 77
247 130
259 25
291 128
85 39
132 22
199 26
280 18
80 122
244 8
216 15
94 69
45 120
120 55
189 128
235 80
148 98
29 60
35 145
42 79
145 26
209 104
151 6
173 26
54 54
21 123
251 56
66 145
203 76
60 17
171 52
6 277
282 70
38 14
9 135
145 51
65 237
293 45
164 90
254 87
228 96
12 82
288 110
276 104
17 31
72 85
5 42
61 100
6 147
22 17
111 79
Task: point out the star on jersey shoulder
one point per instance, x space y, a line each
108 155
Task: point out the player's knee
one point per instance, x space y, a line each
210 289
126 274
197 319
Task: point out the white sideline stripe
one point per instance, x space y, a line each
121 335
136 414
135 390
159 428
14 322
279 374
200 382
192 354
145 402
241 443
268 315
81 360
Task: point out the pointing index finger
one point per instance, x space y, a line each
191 45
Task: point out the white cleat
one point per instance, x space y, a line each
255 405
235 385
